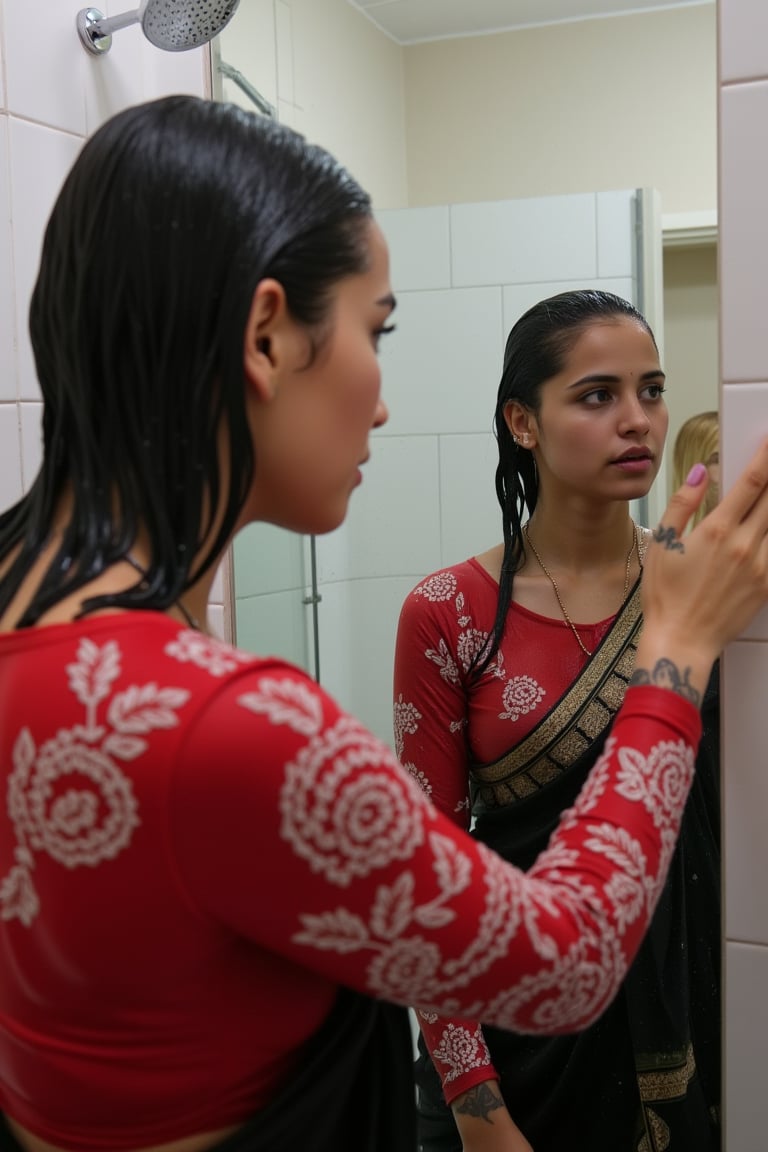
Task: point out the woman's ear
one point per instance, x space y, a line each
264 337
521 423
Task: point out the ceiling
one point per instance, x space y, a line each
411 21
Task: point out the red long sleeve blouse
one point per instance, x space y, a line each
443 716
198 847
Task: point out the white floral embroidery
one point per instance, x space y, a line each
290 702
444 661
142 709
521 695
341 812
577 987
577 973
400 963
627 887
470 643
406 720
206 652
68 798
441 586
658 780
420 778
461 1050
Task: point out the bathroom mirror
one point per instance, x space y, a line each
429 108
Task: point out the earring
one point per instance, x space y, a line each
525 440
515 440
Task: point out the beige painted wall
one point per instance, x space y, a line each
691 351
334 77
628 101
350 95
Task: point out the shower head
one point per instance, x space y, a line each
173 25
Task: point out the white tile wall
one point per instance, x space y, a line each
419 247
30 416
743 40
115 79
55 95
358 625
746 1047
743 230
615 233
394 529
8 382
743 179
10 455
286 79
744 421
501 242
470 517
441 367
41 157
44 42
745 790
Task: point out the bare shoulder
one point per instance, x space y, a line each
491 561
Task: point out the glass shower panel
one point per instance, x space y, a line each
275 607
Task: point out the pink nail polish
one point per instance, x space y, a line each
696 475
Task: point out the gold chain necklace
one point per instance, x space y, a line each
634 545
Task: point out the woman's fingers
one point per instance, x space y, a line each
681 507
710 583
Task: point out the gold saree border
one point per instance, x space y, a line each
658 1085
572 725
668 1083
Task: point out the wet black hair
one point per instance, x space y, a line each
171 215
536 349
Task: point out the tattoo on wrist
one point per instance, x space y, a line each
666 674
480 1102
668 538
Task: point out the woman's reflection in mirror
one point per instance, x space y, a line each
512 666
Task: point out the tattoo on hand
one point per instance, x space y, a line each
480 1102
668 538
666 674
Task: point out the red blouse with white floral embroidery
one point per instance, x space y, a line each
198 847
442 717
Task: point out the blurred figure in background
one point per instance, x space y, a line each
699 440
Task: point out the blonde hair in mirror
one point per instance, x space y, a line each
697 442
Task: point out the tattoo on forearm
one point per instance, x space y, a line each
480 1102
668 538
666 674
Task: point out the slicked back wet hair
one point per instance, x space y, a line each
172 214
536 350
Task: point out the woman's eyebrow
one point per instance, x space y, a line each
606 378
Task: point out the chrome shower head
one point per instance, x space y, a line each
173 25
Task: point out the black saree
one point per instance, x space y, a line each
646 1076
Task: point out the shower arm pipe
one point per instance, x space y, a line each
106 25
244 85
